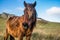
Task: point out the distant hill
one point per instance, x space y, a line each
5 15
42 21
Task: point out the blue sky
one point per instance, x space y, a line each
46 9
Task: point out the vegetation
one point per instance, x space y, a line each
44 30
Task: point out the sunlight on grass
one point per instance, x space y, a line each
42 31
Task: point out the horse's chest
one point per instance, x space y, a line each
27 32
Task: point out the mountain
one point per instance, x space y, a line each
5 15
42 21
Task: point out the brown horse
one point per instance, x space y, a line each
23 25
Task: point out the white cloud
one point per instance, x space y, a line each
53 10
19 8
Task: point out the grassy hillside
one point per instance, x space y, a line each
42 31
49 27
2 24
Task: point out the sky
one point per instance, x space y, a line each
46 9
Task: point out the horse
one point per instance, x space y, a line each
20 26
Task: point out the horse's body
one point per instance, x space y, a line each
21 26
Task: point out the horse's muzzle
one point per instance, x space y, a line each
25 25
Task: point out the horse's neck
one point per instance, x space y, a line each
25 18
34 17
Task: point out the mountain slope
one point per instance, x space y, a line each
43 28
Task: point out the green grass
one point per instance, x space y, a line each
42 31
49 27
2 24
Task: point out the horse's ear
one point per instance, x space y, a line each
34 4
25 4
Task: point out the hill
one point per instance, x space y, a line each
43 28
5 15
41 23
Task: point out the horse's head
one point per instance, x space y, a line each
30 9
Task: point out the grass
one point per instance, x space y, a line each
49 27
2 25
42 31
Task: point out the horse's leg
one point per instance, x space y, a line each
28 37
6 35
20 37
11 38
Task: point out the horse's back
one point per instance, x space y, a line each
13 21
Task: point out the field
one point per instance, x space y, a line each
42 31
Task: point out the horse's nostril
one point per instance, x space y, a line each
25 25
